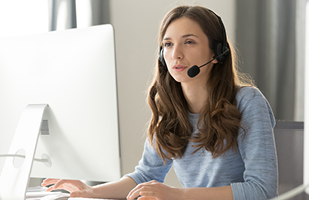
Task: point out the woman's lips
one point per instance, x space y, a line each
179 68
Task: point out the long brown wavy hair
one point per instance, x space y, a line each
219 121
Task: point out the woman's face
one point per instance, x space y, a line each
185 44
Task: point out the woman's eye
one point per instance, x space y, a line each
190 42
167 44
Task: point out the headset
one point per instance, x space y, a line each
221 51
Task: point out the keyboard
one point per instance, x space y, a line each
39 193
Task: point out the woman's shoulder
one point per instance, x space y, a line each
248 93
251 100
249 96
248 90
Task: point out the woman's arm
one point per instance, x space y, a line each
159 191
214 193
257 148
119 189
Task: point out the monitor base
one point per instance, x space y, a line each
16 171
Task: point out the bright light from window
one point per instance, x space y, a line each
62 18
83 12
20 17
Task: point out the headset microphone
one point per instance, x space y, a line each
195 70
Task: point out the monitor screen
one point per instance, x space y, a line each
74 73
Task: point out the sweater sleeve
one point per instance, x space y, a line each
257 148
151 166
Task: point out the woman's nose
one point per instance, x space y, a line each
177 53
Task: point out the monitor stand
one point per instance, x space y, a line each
16 171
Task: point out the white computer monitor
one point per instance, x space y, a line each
64 81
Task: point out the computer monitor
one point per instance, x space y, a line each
58 95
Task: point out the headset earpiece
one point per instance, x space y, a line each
218 53
221 52
161 57
221 49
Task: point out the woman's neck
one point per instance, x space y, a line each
195 96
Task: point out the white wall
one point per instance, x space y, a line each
136 24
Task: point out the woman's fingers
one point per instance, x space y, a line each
65 183
49 181
142 189
68 185
77 188
135 191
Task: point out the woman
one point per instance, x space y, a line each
214 129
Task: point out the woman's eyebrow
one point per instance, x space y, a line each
188 35
184 36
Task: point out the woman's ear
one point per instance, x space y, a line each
215 61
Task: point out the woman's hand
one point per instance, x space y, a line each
75 187
154 190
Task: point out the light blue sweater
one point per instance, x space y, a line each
251 172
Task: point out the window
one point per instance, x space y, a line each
20 17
